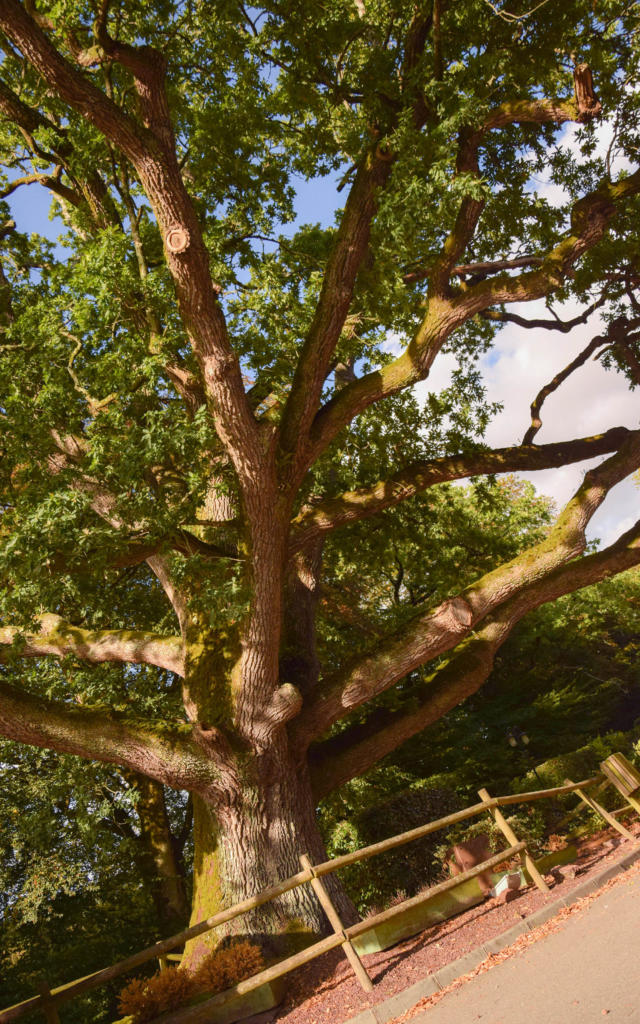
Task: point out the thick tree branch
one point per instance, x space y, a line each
349 251
60 639
590 219
369 501
356 750
516 112
348 254
442 628
184 756
152 151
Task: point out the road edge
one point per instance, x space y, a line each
396 1005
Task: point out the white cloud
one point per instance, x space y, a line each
605 148
591 401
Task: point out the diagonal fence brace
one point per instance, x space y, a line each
334 919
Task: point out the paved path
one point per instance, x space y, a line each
588 971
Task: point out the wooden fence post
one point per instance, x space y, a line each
335 922
512 839
609 818
49 1008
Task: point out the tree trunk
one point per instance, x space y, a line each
251 844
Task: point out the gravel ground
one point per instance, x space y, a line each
326 991
582 977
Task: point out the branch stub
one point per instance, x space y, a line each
177 238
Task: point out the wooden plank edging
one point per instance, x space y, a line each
197 1013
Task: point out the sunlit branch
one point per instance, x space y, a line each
358 748
151 148
441 628
333 513
59 639
182 755
591 217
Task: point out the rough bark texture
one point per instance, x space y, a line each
253 843
161 864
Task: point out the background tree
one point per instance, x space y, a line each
85 876
193 404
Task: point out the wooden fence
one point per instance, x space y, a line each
48 1000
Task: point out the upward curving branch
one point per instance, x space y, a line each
553 385
348 254
58 638
442 628
591 217
542 111
355 750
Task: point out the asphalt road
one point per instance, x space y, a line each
587 971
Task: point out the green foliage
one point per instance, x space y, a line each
360 814
568 678
417 554
569 672
76 891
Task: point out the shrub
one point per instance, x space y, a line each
144 999
375 882
227 966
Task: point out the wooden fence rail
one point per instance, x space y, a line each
201 1011
48 1002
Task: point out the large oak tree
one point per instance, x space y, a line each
195 401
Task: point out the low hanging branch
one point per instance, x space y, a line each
60 639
